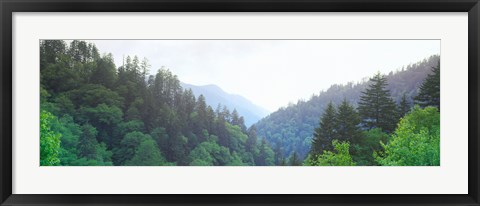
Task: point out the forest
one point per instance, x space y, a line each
95 113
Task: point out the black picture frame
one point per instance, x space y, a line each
7 7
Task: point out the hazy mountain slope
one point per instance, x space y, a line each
215 95
292 127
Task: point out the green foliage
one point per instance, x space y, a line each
123 116
369 143
376 106
291 127
210 153
128 147
265 156
325 133
347 124
294 160
340 158
416 141
88 142
404 106
429 94
92 95
49 140
147 154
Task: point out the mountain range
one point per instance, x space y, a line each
214 95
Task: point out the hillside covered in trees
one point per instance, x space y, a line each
95 113
290 129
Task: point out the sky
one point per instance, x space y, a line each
272 73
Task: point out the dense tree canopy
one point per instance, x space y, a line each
416 140
429 94
341 157
95 113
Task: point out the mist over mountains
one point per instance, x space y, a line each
291 128
214 95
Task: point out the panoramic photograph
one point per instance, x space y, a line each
239 102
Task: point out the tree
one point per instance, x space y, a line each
144 67
340 158
404 106
348 121
416 141
104 73
376 107
292 126
120 116
235 118
294 160
210 153
105 119
88 142
49 141
278 154
325 133
147 154
128 146
201 111
252 139
369 143
51 51
429 94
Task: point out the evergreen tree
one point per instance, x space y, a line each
252 139
260 160
376 107
222 133
147 154
404 106
241 121
129 119
144 68
348 121
295 160
429 94
235 118
278 154
325 133
88 142
51 51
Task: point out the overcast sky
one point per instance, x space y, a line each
272 73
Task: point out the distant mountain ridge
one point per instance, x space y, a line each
291 128
215 95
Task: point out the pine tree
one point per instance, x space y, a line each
88 142
325 133
295 160
429 94
404 106
348 121
235 118
376 108
252 139
278 154
260 160
144 67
